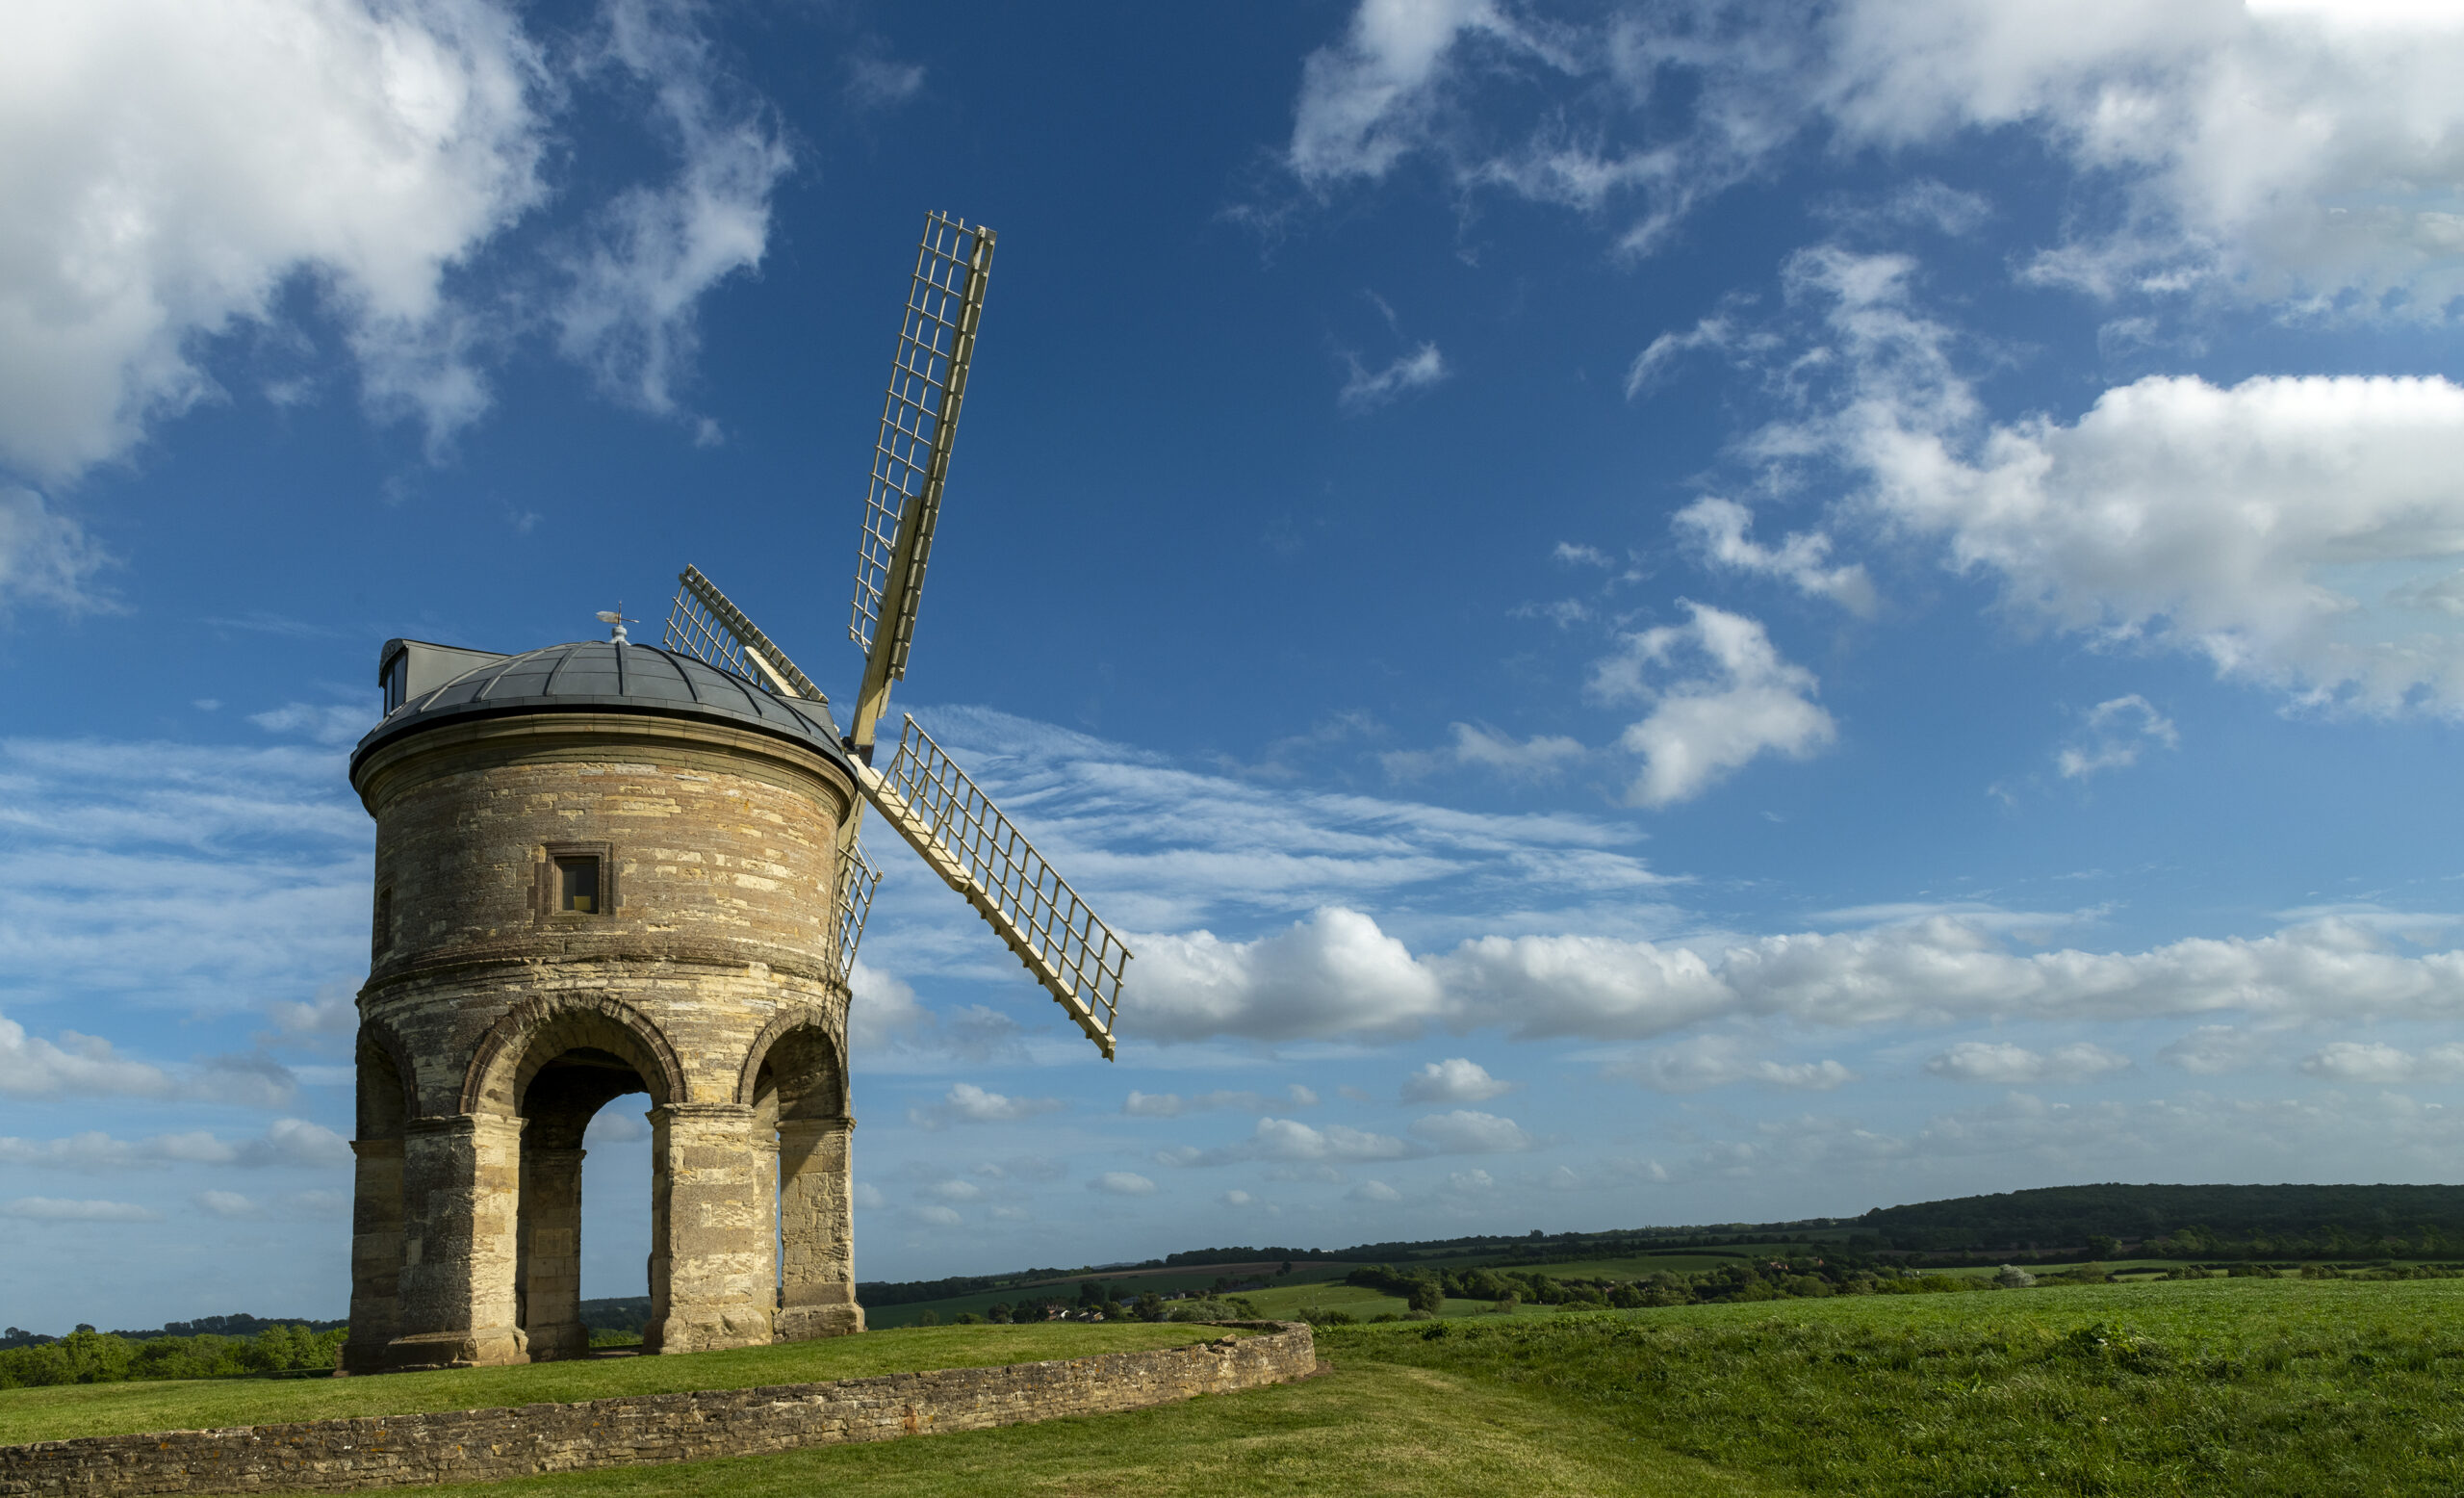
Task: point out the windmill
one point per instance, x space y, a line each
921 792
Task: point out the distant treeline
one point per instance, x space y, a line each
87 1356
1426 1290
239 1325
2190 1222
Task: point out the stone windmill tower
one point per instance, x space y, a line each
607 867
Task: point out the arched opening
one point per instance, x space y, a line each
558 1106
798 1090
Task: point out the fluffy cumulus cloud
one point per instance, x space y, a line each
1469 1131
1458 1079
170 170
2001 1062
2302 532
1720 695
1935 969
1123 1183
167 174
2302 150
968 1103
1334 973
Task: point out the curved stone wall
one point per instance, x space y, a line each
485 1445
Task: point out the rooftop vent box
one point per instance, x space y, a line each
414 668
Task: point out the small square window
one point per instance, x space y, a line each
577 885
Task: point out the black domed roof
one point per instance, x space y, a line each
608 676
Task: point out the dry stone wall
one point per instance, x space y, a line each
485 1445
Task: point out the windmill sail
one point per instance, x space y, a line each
912 456
703 624
858 878
974 848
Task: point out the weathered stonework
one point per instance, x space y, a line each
485 1445
494 1023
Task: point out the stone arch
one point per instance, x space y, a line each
389 1097
810 1079
537 1030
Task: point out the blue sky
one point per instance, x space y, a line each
1646 613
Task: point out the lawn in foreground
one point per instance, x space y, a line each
2274 1388
2248 1386
124 1408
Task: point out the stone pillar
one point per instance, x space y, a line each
552 1253
375 1253
816 1230
461 1198
707 1220
765 1162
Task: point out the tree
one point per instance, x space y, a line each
1426 1294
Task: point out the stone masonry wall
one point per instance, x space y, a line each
484 1445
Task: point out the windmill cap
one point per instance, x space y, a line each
445 684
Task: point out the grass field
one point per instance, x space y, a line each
2272 1388
121 1409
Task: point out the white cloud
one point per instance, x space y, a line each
2296 531
1542 757
2003 1063
1335 973
332 723
968 1103
1456 1080
1471 1181
1291 1141
2117 731
869 1197
953 1191
1718 528
1362 103
170 170
2378 1063
1930 969
57 1210
169 175
182 875
1364 391
629 312
1376 1192
1237 1199
1719 1060
1739 700
1123 1183
1467 1131
286 1142
227 1203
2272 152
47 558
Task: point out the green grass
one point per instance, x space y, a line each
2249 1387
2272 1388
125 1408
